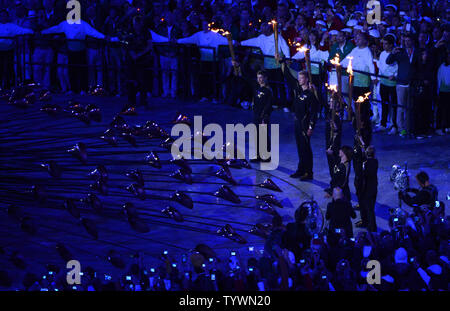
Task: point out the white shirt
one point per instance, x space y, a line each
362 61
315 55
385 69
11 30
267 46
75 32
443 78
208 39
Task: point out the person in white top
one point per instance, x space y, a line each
316 56
443 86
77 53
205 38
266 43
8 30
387 86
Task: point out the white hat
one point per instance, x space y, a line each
352 22
383 23
392 6
333 33
392 35
320 22
401 256
346 30
340 16
358 27
401 13
374 33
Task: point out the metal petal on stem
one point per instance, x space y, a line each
90 227
52 168
152 159
137 176
100 186
93 202
269 198
225 174
181 118
137 190
183 199
226 193
129 138
79 152
139 225
173 213
130 210
182 175
262 230
269 184
228 232
100 173
70 206
183 164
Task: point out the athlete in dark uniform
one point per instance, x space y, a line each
305 108
333 131
262 106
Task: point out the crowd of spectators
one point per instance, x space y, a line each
405 51
412 255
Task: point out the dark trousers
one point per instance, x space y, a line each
422 106
389 104
77 71
335 146
305 156
367 210
276 82
257 120
138 81
7 74
204 81
237 89
317 82
443 111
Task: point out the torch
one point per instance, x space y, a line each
359 102
337 65
275 35
350 86
308 65
237 70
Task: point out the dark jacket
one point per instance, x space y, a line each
370 177
262 103
339 213
425 196
306 104
405 66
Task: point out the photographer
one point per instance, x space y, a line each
426 195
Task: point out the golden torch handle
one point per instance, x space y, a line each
350 96
275 36
237 69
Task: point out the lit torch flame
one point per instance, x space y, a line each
332 87
335 60
361 99
350 68
302 49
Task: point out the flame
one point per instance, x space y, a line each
302 49
273 22
361 99
335 60
350 68
331 87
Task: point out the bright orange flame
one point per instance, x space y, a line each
302 49
331 87
361 99
335 60
350 68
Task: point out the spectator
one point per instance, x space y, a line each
339 213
